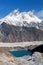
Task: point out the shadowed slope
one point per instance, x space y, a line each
10 33
39 49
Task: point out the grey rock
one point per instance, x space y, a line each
28 57
36 57
10 33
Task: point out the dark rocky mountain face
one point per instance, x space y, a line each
38 49
10 33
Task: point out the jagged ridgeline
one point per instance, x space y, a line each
21 27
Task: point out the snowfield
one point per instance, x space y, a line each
18 18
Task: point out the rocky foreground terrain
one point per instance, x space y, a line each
7 59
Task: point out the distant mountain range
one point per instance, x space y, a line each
21 27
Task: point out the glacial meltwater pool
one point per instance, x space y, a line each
21 53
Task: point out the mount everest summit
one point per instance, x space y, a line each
20 27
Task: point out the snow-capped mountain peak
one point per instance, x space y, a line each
20 18
15 13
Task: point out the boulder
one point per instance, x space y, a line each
36 57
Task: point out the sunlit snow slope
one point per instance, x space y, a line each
20 18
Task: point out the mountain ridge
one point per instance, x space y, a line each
21 27
11 33
18 18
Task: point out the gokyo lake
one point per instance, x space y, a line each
21 53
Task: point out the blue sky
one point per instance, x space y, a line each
6 6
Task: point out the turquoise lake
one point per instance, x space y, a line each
21 53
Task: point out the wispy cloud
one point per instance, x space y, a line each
39 14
